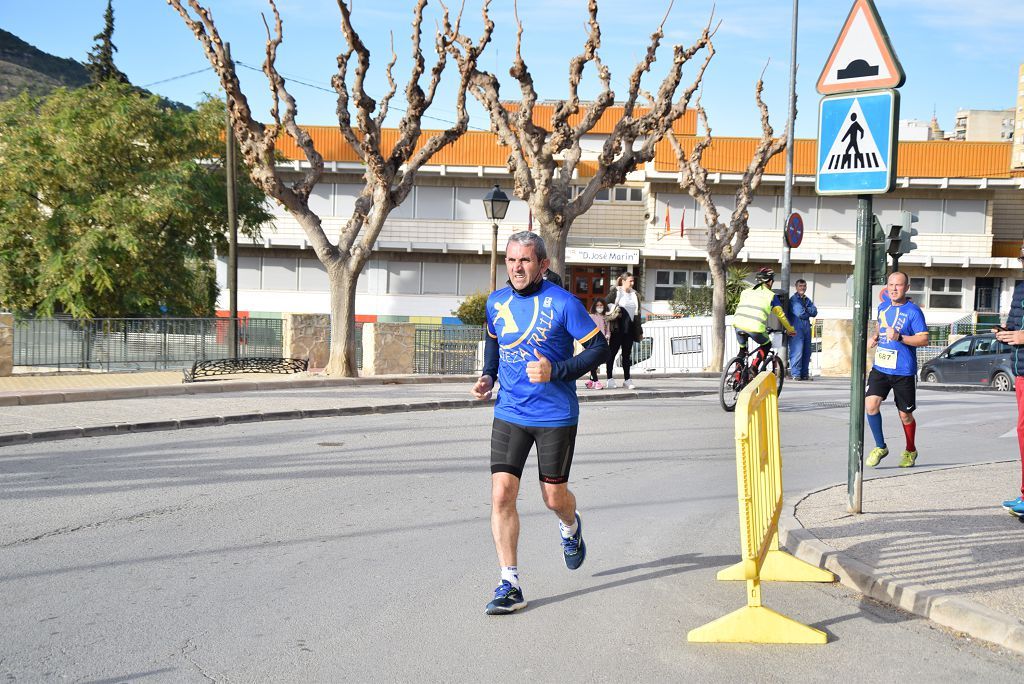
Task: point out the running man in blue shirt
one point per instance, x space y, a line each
531 326
901 329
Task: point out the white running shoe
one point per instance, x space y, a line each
629 384
610 384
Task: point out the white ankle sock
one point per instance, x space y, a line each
510 574
568 530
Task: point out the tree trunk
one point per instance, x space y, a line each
555 238
719 278
342 283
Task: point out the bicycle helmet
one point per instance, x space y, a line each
765 275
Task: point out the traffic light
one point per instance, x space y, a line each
893 240
907 231
899 241
878 249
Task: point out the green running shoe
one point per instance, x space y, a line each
876 455
908 459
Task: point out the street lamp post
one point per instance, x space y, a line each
495 206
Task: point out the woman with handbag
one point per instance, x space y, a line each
624 320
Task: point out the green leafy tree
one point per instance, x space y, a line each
100 63
106 208
698 301
473 309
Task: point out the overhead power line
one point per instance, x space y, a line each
175 78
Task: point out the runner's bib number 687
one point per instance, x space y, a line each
885 358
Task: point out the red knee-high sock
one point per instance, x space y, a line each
910 431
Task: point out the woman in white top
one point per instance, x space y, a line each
627 300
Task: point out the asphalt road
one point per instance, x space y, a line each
358 549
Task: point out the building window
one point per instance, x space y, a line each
404 277
280 273
700 279
946 293
629 194
440 278
313 276
603 195
666 282
477 278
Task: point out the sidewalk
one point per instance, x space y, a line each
934 543
39 414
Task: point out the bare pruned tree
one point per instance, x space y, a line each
389 173
543 159
725 239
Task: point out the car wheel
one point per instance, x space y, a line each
1002 382
930 376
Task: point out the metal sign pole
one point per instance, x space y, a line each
788 191
861 307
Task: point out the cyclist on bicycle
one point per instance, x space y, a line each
751 318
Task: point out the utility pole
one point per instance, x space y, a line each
229 169
787 202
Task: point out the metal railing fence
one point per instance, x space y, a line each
139 343
447 349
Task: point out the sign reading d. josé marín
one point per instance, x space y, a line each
857 143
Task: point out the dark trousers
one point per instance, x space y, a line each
800 352
622 339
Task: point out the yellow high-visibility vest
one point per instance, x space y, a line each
753 309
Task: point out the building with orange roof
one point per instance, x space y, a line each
435 248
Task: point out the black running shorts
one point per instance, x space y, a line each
904 389
511 444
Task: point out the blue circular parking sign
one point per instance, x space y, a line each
794 230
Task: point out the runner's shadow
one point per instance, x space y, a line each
676 565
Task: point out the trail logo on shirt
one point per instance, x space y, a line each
505 316
547 302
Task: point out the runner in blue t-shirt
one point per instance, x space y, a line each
531 327
901 329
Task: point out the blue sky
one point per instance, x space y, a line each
955 54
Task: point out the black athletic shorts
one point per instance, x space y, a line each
511 444
904 389
760 339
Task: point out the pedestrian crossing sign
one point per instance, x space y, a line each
857 143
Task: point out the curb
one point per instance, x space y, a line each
37 398
942 607
264 416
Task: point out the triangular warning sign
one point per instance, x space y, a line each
862 57
854 150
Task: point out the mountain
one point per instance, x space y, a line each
26 67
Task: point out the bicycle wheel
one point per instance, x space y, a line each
780 374
734 379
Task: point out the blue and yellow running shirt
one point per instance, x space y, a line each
548 321
894 357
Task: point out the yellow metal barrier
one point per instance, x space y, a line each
759 481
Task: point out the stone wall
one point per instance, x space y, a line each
306 336
6 344
388 348
837 348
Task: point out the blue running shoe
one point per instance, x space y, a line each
1012 502
574 548
1017 510
507 599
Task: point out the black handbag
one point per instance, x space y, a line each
638 329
